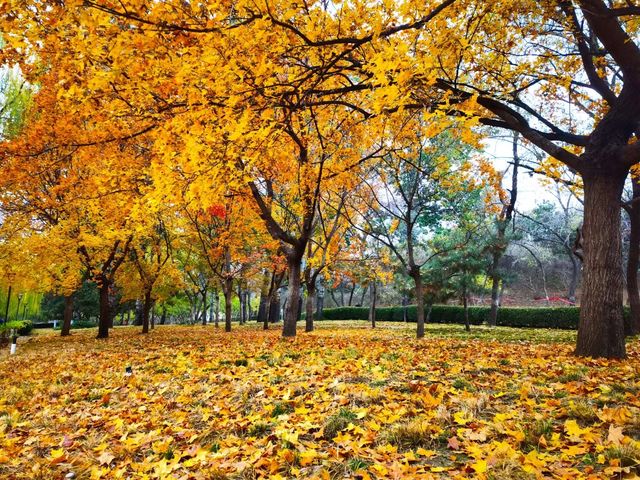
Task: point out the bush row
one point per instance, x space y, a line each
534 317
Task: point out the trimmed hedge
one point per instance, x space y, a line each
528 317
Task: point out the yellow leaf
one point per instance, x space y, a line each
480 466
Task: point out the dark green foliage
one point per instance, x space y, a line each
80 324
23 327
27 326
528 317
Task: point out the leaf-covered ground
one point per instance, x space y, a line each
340 402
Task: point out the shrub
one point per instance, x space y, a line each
525 317
23 327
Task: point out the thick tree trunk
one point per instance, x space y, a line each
601 327
105 310
632 323
372 307
311 293
146 308
417 279
68 315
293 303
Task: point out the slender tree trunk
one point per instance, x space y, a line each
274 308
217 314
153 315
465 303
205 307
601 327
240 304
428 315
417 279
495 286
264 293
372 307
353 289
163 317
632 323
311 292
146 308
293 302
405 308
320 303
68 315
105 310
228 293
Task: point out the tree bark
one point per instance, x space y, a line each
417 279
146 308
293 302
320 303
68 315
274 308
372 307
228 293
465 303
632 324
163 317
311 292
205 307
105 310
601 327
495 288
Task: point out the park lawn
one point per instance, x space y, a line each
344 401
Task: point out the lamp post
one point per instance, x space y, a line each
20 295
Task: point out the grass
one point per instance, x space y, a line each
339 402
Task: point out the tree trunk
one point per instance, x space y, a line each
228 293
153 315
495 288
274 308
465 303
146 308
68 315
601 327
293 302
105 310
353 289
240 304
632 324
372 307
320 303
217 314
163 317
417 279
311 292
405 308
205 307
